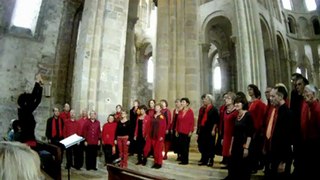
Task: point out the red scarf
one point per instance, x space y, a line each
205 115
54 129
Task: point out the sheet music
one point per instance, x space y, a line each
71 140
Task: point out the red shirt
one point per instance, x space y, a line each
144 125
161 131
185 122
310 120
70 128
109 133
166 112
81 123
91 132
65 116
257 110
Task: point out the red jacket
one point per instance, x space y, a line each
65 116
310 120
109 133
144 125
71 127
162 126
81 123
257 110
91 132
185 122
166 112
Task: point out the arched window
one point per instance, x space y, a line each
217 78
25 14
216 73
150 70
286 4
291 25
316 26
311 5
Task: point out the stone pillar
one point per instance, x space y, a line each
99 65
249 46
162 62
177 63
315 57
204 62
130 69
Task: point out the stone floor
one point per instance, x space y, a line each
170 169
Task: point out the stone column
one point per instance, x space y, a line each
204 62
249 46
177 63
315 57
162 62
99 64
84 56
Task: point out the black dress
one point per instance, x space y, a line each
239 166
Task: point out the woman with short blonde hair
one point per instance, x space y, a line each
19 161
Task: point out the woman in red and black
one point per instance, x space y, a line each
175 140
207 133
184 129
122 139
155 131
168 138
107 137
229 118
151 111
117 115
133 118
140 132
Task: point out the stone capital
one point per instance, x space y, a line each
205 46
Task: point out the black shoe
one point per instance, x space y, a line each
94 169
159 166
139 162
144 161
154 166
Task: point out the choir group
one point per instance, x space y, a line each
274 136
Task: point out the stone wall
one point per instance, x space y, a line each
22 57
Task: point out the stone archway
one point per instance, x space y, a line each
218 32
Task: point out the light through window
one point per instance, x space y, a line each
26 13
150 70
287 4
217 78
311 5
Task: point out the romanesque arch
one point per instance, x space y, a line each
217 34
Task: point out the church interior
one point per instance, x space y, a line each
96 54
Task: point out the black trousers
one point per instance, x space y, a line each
184 141
72 154
140 142
108 156
206 143
91 156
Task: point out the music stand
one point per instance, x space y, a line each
69 142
